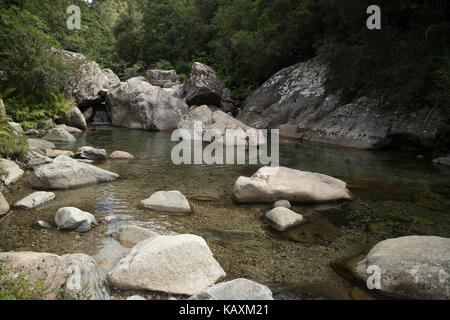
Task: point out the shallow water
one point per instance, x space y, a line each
397 195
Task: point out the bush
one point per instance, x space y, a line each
11 146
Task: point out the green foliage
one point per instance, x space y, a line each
19 287
11 145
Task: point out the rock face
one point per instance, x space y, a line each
4 205
89 84
57 176
91 153
13 172
74 118
60 135
37 268
35 200
415 267
203 86
215 120
130 236
282 219
74 219
239 289
137 104
167 201
295 101
86 281
121 155
163 78
40 145
181 264
271 184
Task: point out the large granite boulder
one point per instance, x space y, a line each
70 218
239 289
415 267
137 104
39 145
12 171
295 101
74 118
89 84
39 269
271 184
85 280
57 176
163 78
203 86
60 135
181 264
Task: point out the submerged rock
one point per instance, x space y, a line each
91 153
137 104
129 236
37 268
239 289
70 218
203 86
4 205
121 155
415 267
271 184
59 135
86 281
13 172
181 264
167 201
71 175
35 200
282 219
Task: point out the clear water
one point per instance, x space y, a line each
397 195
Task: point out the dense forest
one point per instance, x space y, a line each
407 62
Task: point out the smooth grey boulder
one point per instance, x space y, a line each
296 102
167 201
12 170
57 176
70 218
282 219
88 84
239 289
163 78
282 204
181 264
64 159
137 104
4 205
202 86
59 135
35 200
91 153
74 118
72 130
121 155
415 267
443 161
40 145
129 236
271 184
85 281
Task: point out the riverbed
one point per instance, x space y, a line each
397 195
